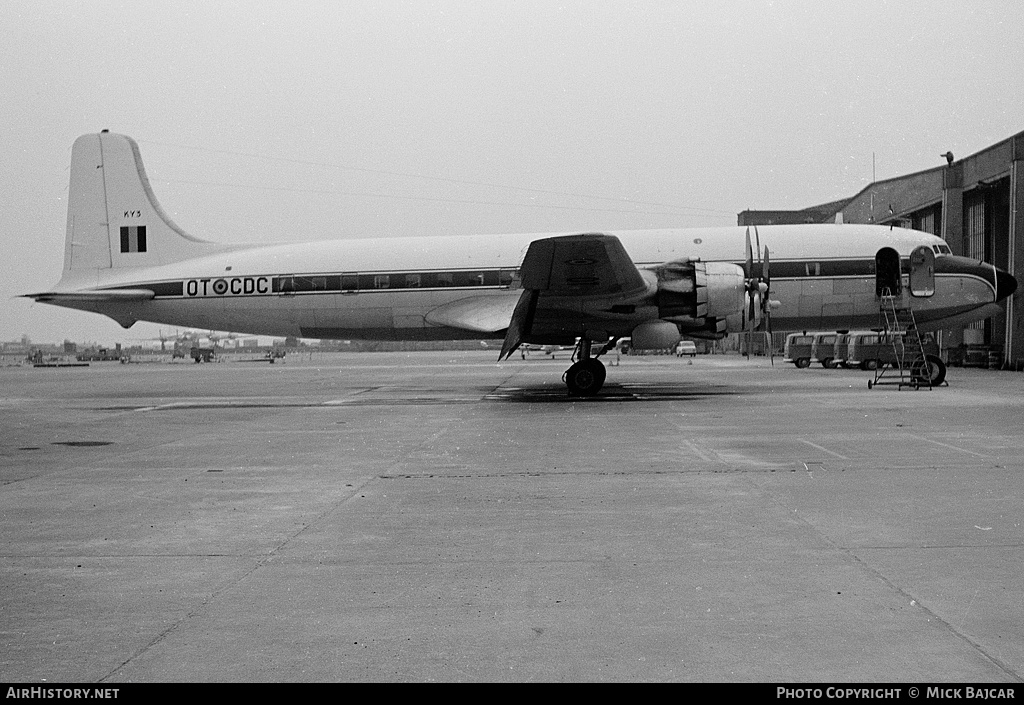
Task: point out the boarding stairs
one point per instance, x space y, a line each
908 367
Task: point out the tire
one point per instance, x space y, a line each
826 363
585 378
802 362
931 370
869 365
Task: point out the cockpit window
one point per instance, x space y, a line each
942 249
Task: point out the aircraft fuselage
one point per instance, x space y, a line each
822 276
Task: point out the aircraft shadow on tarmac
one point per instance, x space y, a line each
612 393
548 393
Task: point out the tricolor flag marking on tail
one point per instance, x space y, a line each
133 238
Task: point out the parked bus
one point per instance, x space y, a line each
823 349
798 349
871 350
841 354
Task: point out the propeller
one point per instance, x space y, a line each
766 305
749 283
758 290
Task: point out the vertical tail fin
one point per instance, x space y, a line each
114 219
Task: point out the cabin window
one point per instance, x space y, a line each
412 281
350 283
381 281
813 269
468 279
507 276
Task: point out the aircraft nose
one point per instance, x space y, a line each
1006 284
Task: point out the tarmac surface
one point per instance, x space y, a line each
438 516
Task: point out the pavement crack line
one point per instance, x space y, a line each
209 600
877 574
206 602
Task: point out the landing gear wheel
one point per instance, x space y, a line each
585 378
931 370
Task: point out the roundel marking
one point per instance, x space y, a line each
220 287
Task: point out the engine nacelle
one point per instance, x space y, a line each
655 335
700 296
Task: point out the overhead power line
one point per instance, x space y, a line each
465 182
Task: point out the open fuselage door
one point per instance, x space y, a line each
922 271
888 280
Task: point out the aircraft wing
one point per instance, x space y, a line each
580 265
572 283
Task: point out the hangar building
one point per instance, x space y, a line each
976 204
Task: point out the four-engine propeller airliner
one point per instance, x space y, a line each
126 259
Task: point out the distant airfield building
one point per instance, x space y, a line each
976 204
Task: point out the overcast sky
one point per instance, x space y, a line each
290 121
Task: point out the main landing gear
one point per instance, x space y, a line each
586 377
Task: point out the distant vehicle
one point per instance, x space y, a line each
270 356
550 350
798 349
203 354
871 350
99 355
823 349
841 350
866 350
686 347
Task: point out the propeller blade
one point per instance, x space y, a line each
749 261
757 237
764 270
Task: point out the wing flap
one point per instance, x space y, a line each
522 319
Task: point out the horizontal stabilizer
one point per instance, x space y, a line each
94 296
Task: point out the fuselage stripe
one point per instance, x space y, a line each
451 280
